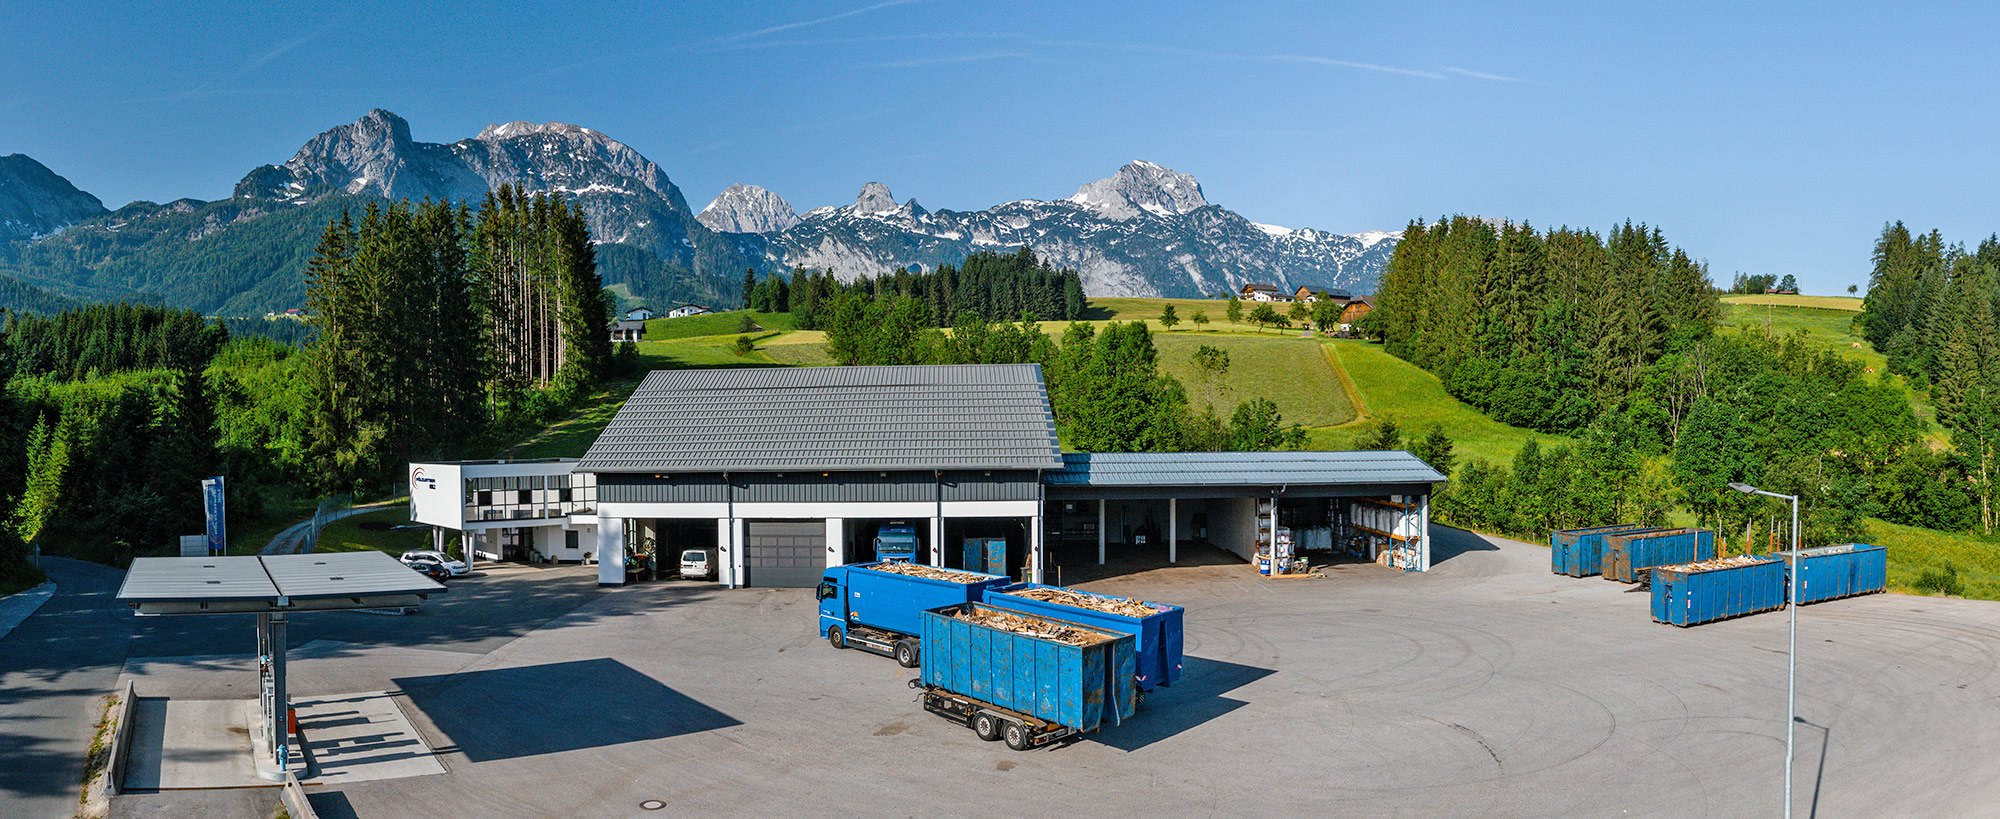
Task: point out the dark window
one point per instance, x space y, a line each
524 496
485 497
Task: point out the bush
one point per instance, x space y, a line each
1941 581
744 345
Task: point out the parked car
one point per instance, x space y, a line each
430 568
696 565
456 567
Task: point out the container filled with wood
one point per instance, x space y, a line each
930 572
1086 600
1035 627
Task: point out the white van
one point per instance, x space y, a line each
696 565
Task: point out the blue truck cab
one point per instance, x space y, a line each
863 606
896 541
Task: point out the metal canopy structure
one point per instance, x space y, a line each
271 587
1231 474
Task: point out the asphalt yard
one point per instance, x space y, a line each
1485 687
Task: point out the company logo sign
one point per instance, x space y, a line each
417 476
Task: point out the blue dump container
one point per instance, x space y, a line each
1580 552
1156 637
1833 572
1627 555
985 554
1696 593
1079 687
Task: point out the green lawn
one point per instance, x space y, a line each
1395 388
1912 550
1293 372
713 324
370 531
1832 328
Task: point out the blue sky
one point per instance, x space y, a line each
1762 139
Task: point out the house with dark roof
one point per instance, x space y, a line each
780 473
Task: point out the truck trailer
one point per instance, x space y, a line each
1029 680
1155 627
878 607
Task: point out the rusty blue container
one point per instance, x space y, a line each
1080 687
1627 555
1833 572
1689 595
1156 637
1580 552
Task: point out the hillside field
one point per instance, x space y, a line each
1394 388
1851 304
1293 372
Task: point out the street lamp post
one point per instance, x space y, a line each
1792 651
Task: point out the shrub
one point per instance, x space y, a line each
1941 581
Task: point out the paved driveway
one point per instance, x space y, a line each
1485 687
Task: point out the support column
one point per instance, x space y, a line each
1424 533
937 542
1173 530
281 736
836 542
264 675
729 539
610 551
1035 550
1100 531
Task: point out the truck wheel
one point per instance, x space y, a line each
835 638
986 726
1017 736
906 654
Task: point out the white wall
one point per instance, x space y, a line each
437 494
1232 525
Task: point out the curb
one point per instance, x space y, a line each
16 608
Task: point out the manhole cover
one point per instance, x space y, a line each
652 804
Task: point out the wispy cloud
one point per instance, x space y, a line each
798 24
949 36
921 62
1382 69
250 66
1480 75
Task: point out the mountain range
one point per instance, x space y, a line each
1146 230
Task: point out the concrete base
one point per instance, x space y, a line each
180 744
267 766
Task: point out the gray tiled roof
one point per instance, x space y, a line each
974 416
1108 469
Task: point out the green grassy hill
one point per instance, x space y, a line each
1394 388
1293 372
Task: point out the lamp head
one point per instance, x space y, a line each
1743 487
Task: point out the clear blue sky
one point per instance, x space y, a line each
1767 140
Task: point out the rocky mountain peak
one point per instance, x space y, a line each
748 209
1142 187
874 198
35 201
521 128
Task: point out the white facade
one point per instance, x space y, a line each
686 310
639 314
532 508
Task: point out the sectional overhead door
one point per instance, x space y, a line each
784 554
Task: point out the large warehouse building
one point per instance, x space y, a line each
783 472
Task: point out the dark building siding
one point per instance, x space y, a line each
996 486
621 488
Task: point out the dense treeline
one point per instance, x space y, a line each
1934 310
1105 386
1541 330
1613 341
106 427
993 286
433 323
434 328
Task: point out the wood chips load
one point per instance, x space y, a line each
1033 627
930 572
1716 563
1086 600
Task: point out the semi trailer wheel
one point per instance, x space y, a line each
906 654
835 638
1017 736
986 727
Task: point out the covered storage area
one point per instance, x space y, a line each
1149 509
